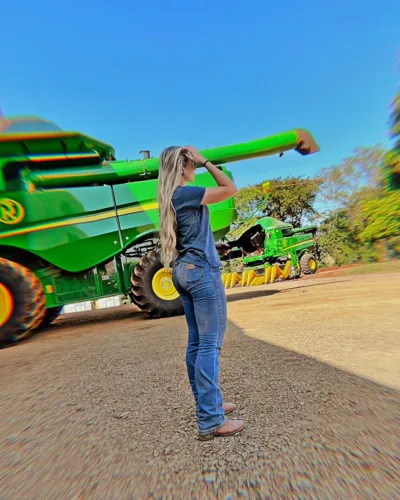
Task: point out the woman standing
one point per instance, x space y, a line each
187 242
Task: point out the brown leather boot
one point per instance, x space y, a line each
228 408
230 428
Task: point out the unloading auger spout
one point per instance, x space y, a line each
116 172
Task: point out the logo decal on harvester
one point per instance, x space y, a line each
11 212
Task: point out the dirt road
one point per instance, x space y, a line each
99 405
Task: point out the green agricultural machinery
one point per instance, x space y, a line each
77 225
271 250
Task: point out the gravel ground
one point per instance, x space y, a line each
99 405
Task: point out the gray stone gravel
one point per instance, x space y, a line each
99 407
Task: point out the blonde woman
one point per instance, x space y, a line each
187 243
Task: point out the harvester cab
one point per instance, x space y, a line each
77 225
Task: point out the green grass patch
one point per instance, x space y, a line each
392 266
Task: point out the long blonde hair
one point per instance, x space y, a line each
172 162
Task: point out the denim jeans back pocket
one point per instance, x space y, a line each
189 274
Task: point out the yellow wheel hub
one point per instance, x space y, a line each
312 264
163 285
6 304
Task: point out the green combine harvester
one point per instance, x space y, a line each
269 250
77 225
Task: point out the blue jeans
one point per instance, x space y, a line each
204 301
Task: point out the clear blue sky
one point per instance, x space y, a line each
144 75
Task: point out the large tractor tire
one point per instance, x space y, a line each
152 288
308 263
22 302
51 315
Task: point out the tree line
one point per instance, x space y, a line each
360 198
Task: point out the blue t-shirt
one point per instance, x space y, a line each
195 241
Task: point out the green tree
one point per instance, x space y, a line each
347 188
356 177
379 219
392 158
336 241
357 189
394 119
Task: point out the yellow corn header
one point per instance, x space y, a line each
249 277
